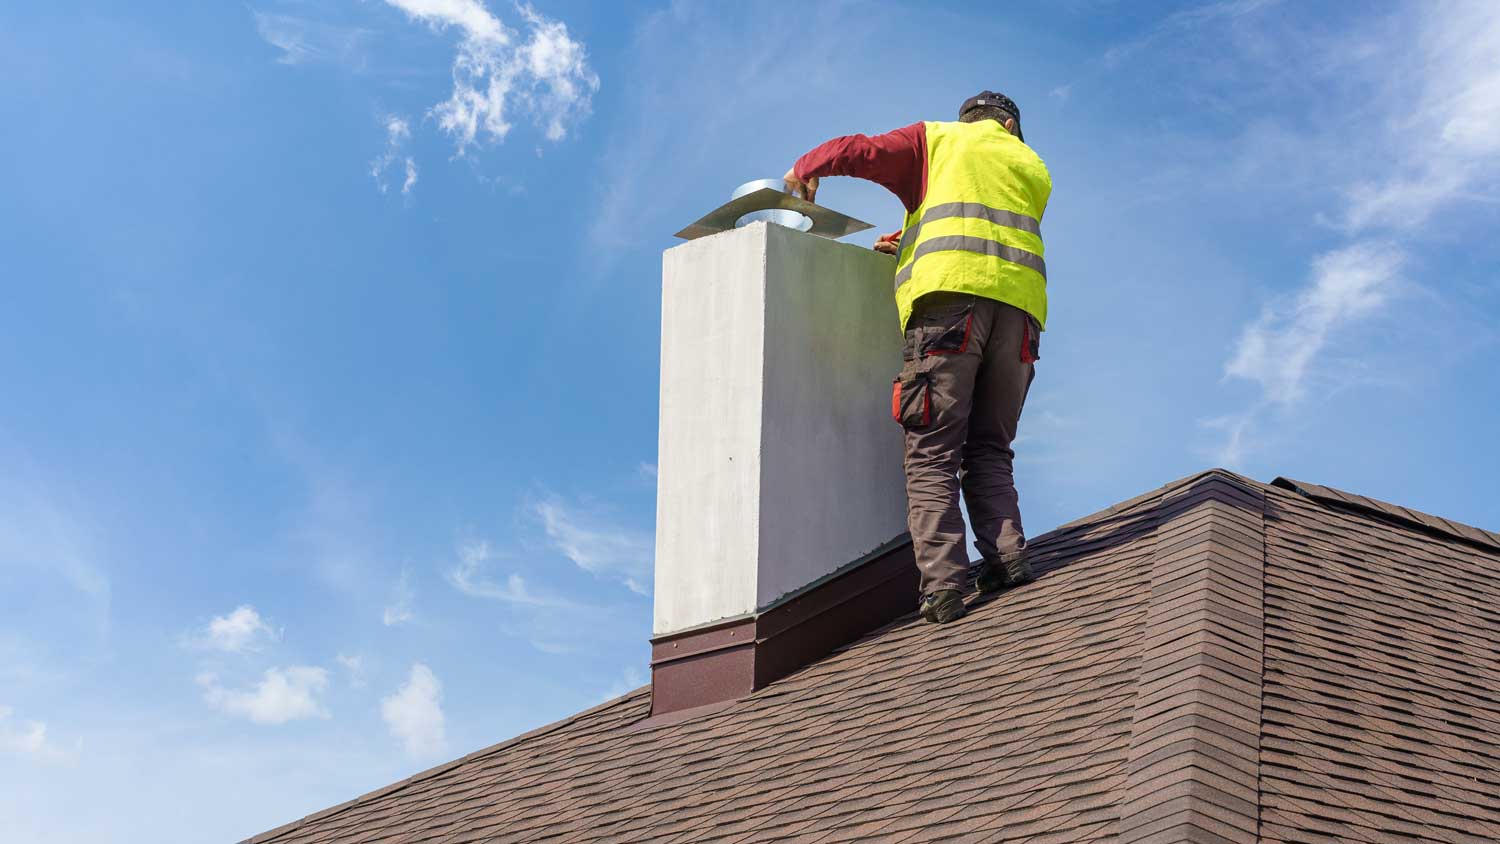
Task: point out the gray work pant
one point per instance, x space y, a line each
967 365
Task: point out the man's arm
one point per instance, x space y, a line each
895 160
890 244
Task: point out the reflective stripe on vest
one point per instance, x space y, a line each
984 246
975 211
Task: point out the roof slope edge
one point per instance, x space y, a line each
1477 537
437 770
1193 771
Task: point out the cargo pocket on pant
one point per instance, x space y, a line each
911 400
947 332
1031 341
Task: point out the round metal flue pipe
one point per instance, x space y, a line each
779 216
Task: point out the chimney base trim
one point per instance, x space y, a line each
734 658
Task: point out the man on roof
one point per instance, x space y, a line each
971 290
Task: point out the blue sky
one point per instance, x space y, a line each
328 333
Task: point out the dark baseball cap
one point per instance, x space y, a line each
1000 101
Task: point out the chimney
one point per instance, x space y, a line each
781 504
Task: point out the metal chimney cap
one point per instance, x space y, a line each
756 184
770 195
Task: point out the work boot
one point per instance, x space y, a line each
1009 570
1017 569
942 606
991 577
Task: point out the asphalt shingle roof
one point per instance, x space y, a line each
1216 661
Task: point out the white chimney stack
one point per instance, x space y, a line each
779 466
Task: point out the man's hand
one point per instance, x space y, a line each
808 189
890 244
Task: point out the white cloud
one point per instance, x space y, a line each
1441 147
411 176
397 133
399 610
302 41
545 619
282 695
1448 144
469 15
469 578
604 550
414 714
1278 349
30 739
1237 428
239 631
355 666
546 75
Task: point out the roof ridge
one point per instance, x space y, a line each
1144 499
1193 765
1468 534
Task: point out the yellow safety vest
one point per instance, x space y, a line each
978 229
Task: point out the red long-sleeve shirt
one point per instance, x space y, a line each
896 160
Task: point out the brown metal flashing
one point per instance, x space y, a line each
732 659
727 634
705 677
809 626
1193 763
1478 537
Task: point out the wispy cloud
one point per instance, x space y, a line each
1185 21
399 610
414 714
1437 149
282 695
606 550
397 133
471 577
547 616
238 631
1448 140
544 73
1278 349
354 667
410 168
304 41
30 739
